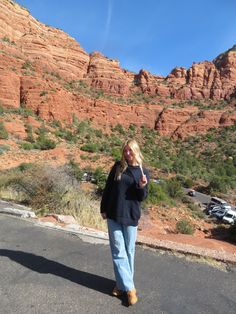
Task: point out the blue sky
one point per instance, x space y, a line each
156 35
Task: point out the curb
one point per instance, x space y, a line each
186 249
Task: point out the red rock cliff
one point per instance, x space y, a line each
44 69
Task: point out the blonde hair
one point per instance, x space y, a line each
133 145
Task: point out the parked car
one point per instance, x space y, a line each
213 209
218 210
192 193
216 201
230 217
219 214
87 177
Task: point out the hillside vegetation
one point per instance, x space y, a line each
204 162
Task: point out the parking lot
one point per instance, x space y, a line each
221 210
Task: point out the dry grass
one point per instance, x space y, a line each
47 189
84 208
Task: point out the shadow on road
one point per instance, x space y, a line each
43 265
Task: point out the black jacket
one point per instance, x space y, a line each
121 198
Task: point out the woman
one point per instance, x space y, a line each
125 188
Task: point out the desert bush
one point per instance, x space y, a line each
90 147
196 211
27 65
116 153
157 194
83 127
184 181
75 170
49 189
29 130
184 226
4 148
218 184
25 166
45 143
3 132
85 209
173 188
66 134
24 112
26 145
119 128
56 124
100 178
2 110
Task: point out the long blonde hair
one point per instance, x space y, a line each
132 143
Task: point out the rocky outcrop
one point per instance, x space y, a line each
184 122
44 69
105 74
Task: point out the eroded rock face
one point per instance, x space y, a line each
184 122
105 74
47 71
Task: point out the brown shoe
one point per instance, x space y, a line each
116 292
132 297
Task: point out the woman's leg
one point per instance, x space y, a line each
130 235
121 263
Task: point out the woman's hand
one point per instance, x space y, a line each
143 181
104 215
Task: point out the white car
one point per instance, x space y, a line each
230 217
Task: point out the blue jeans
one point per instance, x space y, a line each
122 243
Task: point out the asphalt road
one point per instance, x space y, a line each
200 197
204 199
51 271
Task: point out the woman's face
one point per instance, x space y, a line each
129 155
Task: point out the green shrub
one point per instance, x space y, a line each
184 226
76 171
66 135
25 112
56 124
116 153
27 66
100 178
174 188
1 110
132 127
27 146
157 194
119 128
4 148
3 132
196 211
218 184
83 127
6 39
29 130
42 130
45 143
25 166
184 181
90 147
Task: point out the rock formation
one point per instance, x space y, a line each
44 69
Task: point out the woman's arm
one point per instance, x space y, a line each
142 186
107 189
